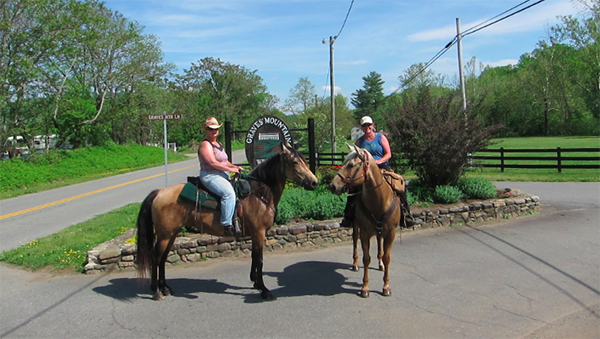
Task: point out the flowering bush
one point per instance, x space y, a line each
503 194
326 173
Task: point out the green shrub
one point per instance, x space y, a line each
477 188
417 192
447 194
285 212
319 204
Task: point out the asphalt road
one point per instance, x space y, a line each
535 276
26 218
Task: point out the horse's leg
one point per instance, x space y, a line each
256 272
382 266
159 285
154 276
365 244
387 244
355 232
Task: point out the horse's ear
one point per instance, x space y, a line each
360 152
350 146
286 147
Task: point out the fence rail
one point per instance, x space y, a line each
558 160
505 155
331 159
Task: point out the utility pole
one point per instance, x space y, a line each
331 91
460 67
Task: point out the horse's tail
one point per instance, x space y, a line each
145 235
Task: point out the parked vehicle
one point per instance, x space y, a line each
15 146
44 142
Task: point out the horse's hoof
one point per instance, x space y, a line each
266 295
381 268
387 292
158 296
364 293
167 292
354 268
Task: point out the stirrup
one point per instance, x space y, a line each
236 226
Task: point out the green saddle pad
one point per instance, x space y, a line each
193 194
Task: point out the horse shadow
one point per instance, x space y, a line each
312 278
300 279
127 289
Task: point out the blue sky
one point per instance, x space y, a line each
282 39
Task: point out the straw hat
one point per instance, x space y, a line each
211 123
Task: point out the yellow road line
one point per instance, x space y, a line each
87 194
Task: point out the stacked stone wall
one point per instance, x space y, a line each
120 252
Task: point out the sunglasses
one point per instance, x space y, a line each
366 125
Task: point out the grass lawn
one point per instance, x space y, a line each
548 175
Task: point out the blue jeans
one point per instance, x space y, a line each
219 184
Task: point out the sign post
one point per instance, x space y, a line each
164 117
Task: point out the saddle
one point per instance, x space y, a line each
396 181
195 191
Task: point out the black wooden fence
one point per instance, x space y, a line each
508 158
556 158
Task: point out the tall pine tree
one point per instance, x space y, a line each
369 99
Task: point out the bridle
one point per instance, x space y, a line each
293 168
349 180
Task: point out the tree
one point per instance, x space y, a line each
417 76
369 99
432 136
301 97
62 60
227 91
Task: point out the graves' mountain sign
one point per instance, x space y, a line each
264 138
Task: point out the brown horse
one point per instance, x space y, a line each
163 214
378 209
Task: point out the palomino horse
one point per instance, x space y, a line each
378 209
164 213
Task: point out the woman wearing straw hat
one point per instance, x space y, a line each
214 173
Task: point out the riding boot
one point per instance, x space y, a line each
408 219
229 230
348 212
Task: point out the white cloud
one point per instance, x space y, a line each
529 20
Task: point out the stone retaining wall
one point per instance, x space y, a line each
193 247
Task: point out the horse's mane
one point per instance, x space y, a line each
266 171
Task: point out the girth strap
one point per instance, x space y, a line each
379 223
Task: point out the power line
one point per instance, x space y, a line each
506 17
488 20
340 32
346 19
427 64
469 31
